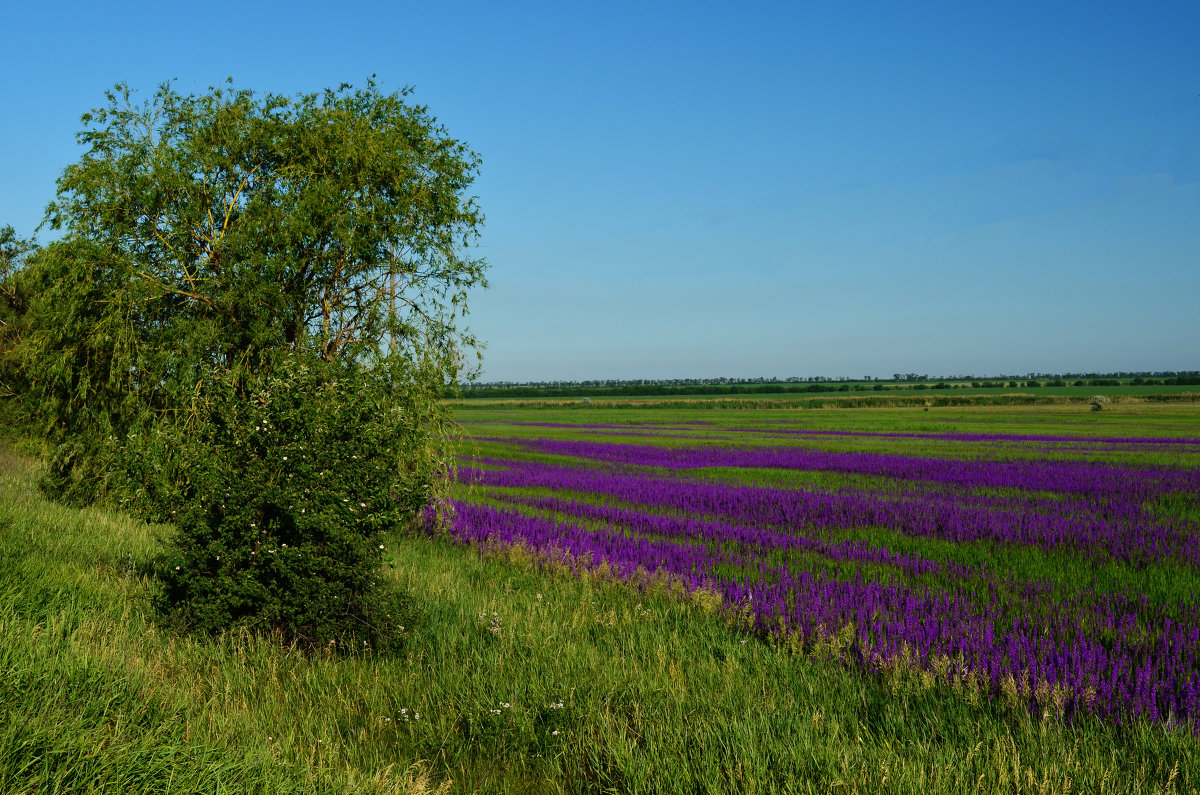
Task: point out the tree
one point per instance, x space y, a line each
15 293
220 250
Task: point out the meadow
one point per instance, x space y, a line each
670 599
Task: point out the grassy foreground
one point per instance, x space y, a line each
513 679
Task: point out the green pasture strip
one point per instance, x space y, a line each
1146 419
657 693
1184 507
913 398
793 479
1164 584
831 482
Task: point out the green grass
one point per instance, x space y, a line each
659 692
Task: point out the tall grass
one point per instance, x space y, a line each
524 678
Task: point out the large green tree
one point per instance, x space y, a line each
220 249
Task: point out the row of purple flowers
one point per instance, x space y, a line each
1135 538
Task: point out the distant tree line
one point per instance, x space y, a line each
813 384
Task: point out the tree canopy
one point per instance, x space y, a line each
285 221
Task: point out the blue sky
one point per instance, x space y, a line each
694 190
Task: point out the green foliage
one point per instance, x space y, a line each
231 260
283 493
329 222
83 385
15 293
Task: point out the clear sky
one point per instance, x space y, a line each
763 189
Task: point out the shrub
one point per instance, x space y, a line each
282 494
1099 402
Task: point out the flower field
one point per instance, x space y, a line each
1050 562
667 600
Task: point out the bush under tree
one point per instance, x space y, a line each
246 329
285 502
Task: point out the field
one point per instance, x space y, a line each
893 397
1049 569
672 599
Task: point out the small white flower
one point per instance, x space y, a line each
555 732
285 458
176 568
285 546
381 546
